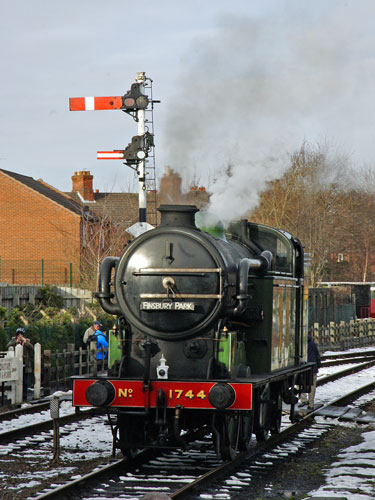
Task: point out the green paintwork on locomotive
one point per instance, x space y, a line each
271 340
273 337
114 348
231 352
216 230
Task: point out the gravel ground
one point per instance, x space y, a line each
16 470
291 478
296 477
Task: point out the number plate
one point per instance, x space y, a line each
194 395
156 305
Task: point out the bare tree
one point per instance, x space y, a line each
306 202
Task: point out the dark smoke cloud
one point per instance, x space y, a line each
255 89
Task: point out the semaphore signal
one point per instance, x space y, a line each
95 103
110 155
134 103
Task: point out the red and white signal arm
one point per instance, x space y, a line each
95 103
110 155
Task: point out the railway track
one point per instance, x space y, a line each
291 439
163 473
45 424
345 358
20 430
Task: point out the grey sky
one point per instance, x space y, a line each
238 81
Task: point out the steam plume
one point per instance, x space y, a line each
257 88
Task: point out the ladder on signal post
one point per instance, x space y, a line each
140 153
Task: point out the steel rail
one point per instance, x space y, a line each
225 468
137 461
344 361
47 424
267 445
26 410
344 373
325 357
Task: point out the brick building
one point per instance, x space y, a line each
49 236
41 232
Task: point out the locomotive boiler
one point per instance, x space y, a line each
212 334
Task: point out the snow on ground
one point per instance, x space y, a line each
89 438
352 476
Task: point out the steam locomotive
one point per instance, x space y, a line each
212 334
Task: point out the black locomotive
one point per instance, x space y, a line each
213 334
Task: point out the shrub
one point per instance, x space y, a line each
50 298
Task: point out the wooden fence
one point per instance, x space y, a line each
52 370
59 366
20 295
56 368
342 336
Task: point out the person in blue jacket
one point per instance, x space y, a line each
101 342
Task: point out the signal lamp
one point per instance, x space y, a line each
129 102
139 147
134 99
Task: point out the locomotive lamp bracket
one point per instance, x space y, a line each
162 369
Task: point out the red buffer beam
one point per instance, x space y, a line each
95 103
110 155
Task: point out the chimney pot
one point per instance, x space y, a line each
82 184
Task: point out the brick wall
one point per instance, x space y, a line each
35 228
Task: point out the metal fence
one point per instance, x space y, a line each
38 272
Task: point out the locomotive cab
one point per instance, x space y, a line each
213 333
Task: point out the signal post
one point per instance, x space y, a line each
134 103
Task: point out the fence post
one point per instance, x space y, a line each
80 361
42 272
71 274
366 331
351 333
12 392
360 339
55 414
37 369
47 372
71 365
93 358
19 382
342 334
332 334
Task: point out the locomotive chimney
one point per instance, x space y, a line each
178 215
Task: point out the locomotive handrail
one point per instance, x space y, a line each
162 271
180 271
105 295
180 296
262 263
